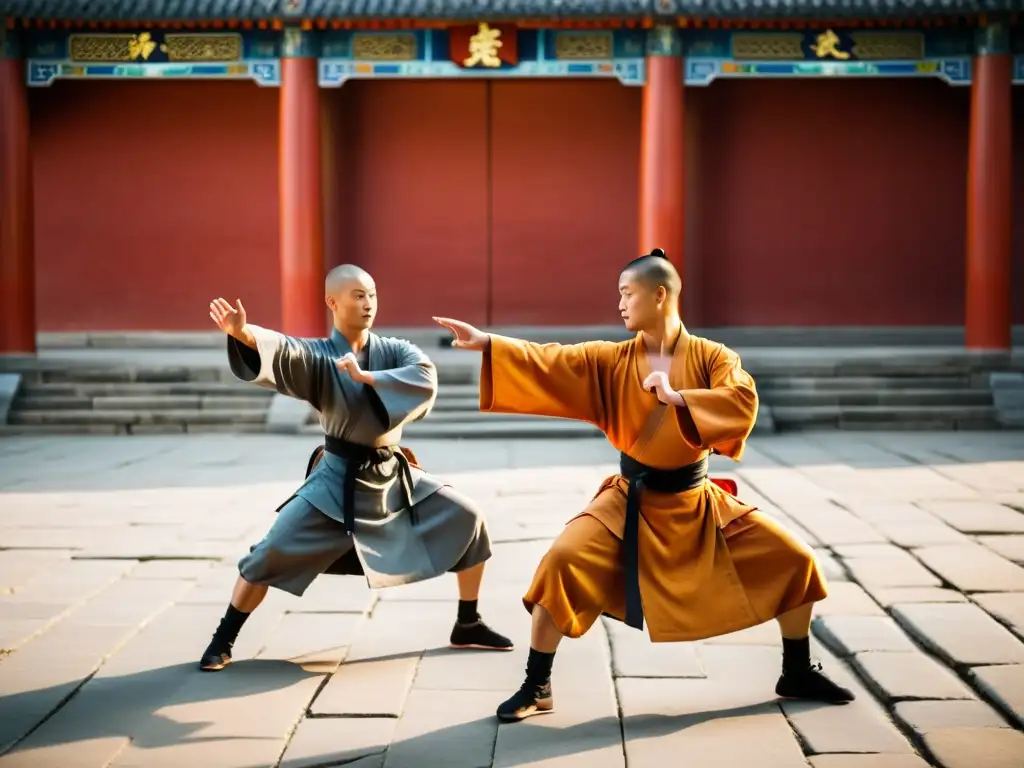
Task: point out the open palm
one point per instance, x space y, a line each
229 319
466 336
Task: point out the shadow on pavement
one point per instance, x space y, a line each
130 705
140 707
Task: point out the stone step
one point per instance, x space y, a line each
140 388
893 363
115 374
29 402
810 384
483 429
445 404
44 372
141 403
459 391
226 416
467 398
473 415
953 398
874 417
766 383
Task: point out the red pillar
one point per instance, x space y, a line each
301 201
989 184
17 246
661 147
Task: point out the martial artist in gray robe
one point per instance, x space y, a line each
364 507
395 542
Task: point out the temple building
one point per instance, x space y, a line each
806 164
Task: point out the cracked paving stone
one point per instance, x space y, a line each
334 740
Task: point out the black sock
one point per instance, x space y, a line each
230 625
467 612
538 667
796 654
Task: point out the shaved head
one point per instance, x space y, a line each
351 295
345 273
653 270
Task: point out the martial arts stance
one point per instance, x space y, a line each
658 539
363 508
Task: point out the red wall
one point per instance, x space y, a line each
826 202
413 195
495 202
151 198
1018 204
564 190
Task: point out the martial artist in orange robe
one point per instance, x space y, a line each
658 541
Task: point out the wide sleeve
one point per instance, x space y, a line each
293 367
721 417
565 381
407 392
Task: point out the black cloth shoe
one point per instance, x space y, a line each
478 636
531 699
812 684
216 656
218 653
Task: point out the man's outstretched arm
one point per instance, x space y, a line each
293 367
516 376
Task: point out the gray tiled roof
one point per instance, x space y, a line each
467 9
113 10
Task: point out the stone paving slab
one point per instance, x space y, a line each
909 675
924 716
972 568
975 747
115 570
1003 684
1009 546
977 516
962 634
1007 607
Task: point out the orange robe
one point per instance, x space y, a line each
709 564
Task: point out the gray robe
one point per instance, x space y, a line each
388 548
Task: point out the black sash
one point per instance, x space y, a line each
359 457
641 477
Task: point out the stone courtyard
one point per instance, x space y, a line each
117 559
